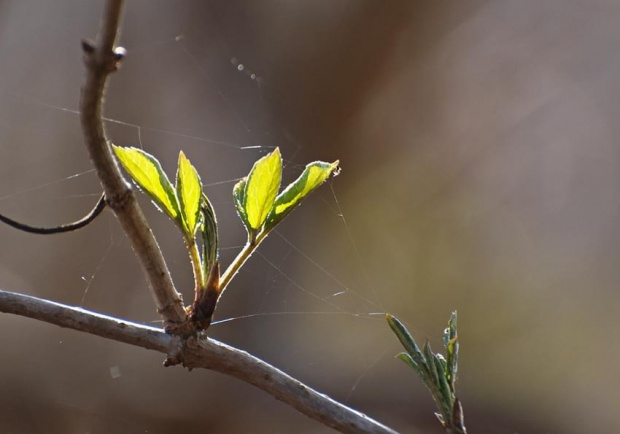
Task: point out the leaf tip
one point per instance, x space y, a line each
117 149
336 169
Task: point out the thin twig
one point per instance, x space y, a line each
198 353
240 259
101 59
78 224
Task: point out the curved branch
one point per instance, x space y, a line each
74 226
101 59
198 353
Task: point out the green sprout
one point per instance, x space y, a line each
256 198
436 371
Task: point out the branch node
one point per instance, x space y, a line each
88 46
107 61
120 200
198 352
177 355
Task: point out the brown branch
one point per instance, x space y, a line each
73 226
101 59
198 353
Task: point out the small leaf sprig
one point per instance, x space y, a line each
436 371
259 206
256 198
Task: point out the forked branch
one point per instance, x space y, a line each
195 350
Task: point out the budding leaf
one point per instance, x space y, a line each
443 385
146 171
262 188
210 253
189 192
437 373
452 350
406 339
239 198
405 357
312 177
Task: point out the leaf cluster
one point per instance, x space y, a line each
436 371
259 205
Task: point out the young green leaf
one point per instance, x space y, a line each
407 340
210 252
189 192
239 198
405 357
430 363
452 350
437 373
146 171
442 385
262 188
312 177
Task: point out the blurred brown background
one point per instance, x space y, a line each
479 146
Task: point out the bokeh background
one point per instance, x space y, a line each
481 165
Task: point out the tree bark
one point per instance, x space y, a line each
101 59
198 352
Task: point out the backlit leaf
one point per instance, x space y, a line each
189 192
262 188
146 171
312 177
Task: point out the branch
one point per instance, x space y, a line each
102 59
198 353
78 224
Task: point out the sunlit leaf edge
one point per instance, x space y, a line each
166 199
239 199
301 188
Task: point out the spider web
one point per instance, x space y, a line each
288 283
